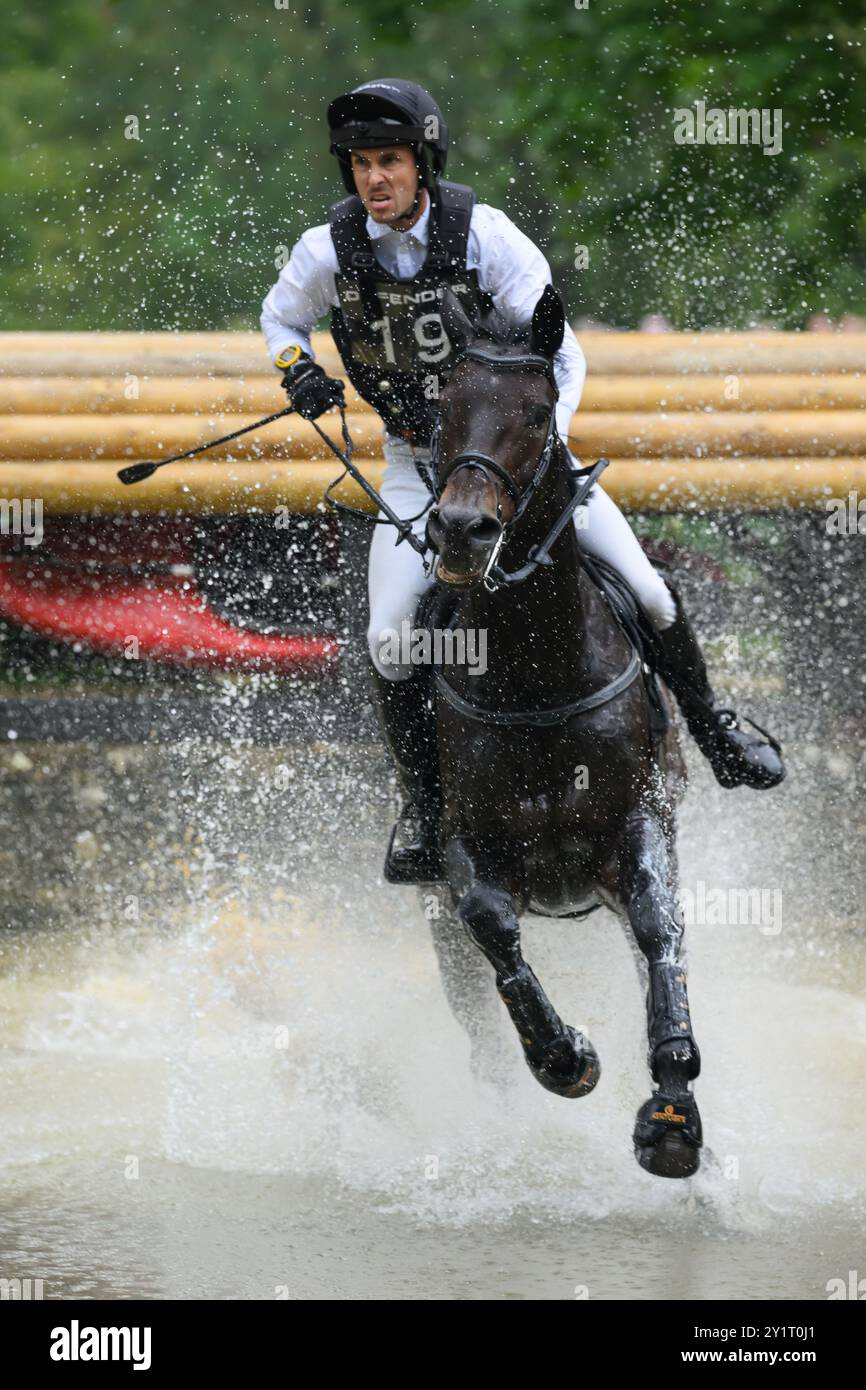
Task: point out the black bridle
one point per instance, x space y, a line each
494 576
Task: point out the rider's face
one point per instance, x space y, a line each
386 180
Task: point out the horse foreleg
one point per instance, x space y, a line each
559 1057
668 1134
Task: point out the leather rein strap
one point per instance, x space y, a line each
540 718
389 517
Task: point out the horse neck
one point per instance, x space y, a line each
536 641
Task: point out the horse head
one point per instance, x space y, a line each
495 433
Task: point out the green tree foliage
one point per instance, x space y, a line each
562 116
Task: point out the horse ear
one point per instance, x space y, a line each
548 324
456 321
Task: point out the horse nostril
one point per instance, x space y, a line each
455 526
484 530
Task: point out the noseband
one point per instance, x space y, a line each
494 575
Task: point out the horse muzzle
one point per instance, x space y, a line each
464 540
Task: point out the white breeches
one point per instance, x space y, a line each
396 577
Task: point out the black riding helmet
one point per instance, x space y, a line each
389 111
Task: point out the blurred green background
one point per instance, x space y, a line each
561 116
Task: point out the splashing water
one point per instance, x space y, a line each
263 1059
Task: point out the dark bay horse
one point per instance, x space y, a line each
555 795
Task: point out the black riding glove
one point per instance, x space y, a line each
310 389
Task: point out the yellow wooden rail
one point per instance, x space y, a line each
721 420
259 395
242 354
679 434
663 484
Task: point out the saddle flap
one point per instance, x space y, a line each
638 629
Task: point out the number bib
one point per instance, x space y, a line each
397 328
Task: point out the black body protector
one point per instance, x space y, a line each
389 332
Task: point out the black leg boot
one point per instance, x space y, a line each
409 726
738 758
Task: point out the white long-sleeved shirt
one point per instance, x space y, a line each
510 268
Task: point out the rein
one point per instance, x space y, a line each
390 518
540 718
137 472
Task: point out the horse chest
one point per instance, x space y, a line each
541 785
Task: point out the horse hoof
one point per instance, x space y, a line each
569 1067
668 1136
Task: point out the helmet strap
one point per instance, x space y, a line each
410 212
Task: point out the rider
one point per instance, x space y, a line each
379 267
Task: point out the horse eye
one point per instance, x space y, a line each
536 416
